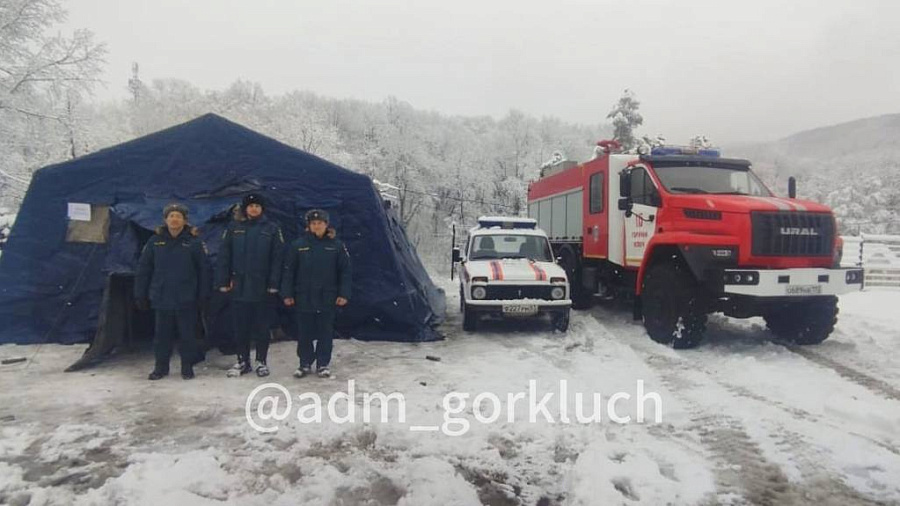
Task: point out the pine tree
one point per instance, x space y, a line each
625 118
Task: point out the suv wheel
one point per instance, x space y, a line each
560 321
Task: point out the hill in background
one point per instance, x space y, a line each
853 167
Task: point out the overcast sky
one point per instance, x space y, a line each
734 70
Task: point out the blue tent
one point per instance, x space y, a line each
83 222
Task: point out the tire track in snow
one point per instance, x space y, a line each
725 330
518 478
820 484
577 355
797 413
744 469
826 490
862 379
741 468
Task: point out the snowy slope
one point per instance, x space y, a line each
744 421
833 149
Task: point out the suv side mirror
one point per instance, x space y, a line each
792 187
456 255
624 184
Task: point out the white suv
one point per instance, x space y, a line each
507 269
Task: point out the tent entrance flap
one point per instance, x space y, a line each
120 327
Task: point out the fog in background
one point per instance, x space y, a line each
735 71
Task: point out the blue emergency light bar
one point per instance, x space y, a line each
506 222
685 150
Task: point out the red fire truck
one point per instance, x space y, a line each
684 233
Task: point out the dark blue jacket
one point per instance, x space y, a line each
251 257
316 272
173 272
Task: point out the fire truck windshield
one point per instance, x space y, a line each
711 180
496 246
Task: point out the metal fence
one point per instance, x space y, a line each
879 255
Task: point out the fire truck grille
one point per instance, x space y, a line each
792 234
518 292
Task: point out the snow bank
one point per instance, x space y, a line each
196 477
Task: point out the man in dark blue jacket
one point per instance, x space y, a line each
249 268
173 278
316 282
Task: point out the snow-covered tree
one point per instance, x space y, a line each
654 142
700 142
43 74
34 63
625 118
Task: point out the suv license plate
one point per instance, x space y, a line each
520 309
803 289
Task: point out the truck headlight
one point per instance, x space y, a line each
479 292
557 293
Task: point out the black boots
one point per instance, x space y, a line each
187 372
155 375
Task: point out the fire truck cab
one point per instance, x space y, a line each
683 233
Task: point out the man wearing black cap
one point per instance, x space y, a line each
316 282
173 277
249 268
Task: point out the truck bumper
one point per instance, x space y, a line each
791 282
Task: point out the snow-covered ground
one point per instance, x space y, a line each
6 222
743 421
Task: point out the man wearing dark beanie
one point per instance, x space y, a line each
249 268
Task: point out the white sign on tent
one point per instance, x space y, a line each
79 212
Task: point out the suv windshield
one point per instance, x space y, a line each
497 246
711 180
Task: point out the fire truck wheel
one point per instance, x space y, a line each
561 321
470 319
581 299
804 322
673 307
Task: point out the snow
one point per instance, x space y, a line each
742 420
6 222
6 218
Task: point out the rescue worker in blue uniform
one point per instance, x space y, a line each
249 267
316 282
173 277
